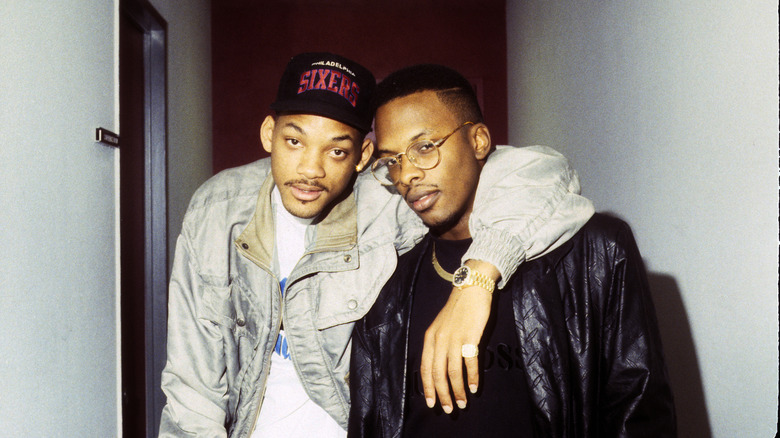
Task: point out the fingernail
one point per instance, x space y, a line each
473 389
429 402
447 409
461 404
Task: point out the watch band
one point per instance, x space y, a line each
465 276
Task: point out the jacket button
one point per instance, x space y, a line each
245 245
352 304
347 258
240 322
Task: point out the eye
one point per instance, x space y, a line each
424 147
338 153
391 161
293 141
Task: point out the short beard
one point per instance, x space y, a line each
446 224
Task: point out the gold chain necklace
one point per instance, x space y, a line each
439 270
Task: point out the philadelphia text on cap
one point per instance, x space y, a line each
334 64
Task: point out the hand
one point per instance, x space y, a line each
461 321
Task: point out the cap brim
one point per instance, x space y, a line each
324 109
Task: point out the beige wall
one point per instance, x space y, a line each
669 112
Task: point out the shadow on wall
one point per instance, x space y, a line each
681 359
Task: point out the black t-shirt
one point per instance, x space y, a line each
501 406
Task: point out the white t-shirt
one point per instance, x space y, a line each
287 410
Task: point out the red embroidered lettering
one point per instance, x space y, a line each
352 98
321 82
303 85
346 84
334 77
312 78
330 80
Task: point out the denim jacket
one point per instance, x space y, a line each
225 307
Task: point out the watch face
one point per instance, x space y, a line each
460 275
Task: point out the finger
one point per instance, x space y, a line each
440 377
455 372
472 373
426 370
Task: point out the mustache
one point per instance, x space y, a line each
413 190
306 182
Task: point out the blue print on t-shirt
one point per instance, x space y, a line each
281 346
281 342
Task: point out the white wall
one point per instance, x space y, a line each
669 111
58 296
189 104
58 336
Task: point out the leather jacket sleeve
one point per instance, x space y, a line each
636 399
593 355
361 386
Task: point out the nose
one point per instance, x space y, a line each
310 165
408 172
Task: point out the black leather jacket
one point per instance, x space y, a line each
590 342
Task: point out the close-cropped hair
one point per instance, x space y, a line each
451 87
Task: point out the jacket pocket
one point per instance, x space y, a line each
344 297
229 308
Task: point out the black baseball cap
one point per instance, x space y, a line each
327 85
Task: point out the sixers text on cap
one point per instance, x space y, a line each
331 80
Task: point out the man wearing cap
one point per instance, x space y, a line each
277 259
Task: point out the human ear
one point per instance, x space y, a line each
365 154
481 142
267 133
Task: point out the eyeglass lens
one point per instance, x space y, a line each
423 155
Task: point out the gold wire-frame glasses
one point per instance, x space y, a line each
423 154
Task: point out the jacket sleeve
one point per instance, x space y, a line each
528 203
193 379
636 399
362 415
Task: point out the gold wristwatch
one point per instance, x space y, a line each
465 276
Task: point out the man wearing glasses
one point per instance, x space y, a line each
278 258
572 348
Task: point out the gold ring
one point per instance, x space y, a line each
469 350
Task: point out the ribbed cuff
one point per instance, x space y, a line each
499 248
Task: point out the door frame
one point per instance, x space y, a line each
153 26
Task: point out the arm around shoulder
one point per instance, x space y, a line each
528 203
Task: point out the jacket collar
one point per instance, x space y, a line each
336 231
